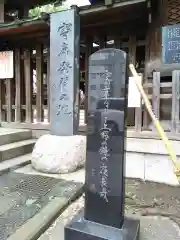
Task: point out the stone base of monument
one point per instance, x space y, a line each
81 229
59 154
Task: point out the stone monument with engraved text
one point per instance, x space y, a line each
103 215
64 72
63 150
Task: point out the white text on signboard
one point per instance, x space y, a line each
6 65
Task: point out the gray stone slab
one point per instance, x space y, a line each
152 228
64 72
81 229
158 228
6 203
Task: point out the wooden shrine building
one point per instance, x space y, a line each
132 25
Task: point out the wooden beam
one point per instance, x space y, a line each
99 9
113 21
28 85
29 36
39 83
127 29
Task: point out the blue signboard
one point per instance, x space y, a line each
171 44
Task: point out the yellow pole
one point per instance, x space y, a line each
156 123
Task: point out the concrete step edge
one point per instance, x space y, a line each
15 163
11 137
164 153
18 144
150 146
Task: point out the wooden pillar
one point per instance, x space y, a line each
28 85
88 51
117 42
23 12
108 2
147 57
132 50
2 11
18 85
9 99
2 100
102 42
175 101
138 117
48 85
156 94
39 83
23 87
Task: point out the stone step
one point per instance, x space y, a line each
150 167
150 146
14 163
13 135
16 149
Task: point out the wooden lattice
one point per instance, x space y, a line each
173 11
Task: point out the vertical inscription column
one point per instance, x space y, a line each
105 144
105 154
171 44
64 72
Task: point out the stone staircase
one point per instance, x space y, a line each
15 148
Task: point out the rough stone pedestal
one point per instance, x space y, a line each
81 229
59 154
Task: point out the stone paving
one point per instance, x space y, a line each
23 196
156 205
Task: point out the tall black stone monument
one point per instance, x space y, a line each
103 216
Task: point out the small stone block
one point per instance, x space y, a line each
81 229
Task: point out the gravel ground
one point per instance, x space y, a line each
157 206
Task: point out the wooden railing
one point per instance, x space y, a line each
170 90
23 104
23 107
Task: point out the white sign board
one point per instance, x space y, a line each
134 97
6 65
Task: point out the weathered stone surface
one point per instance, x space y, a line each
64 72
59 154
22 196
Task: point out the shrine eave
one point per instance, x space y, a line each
29 3
23 26
27 25
84 10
